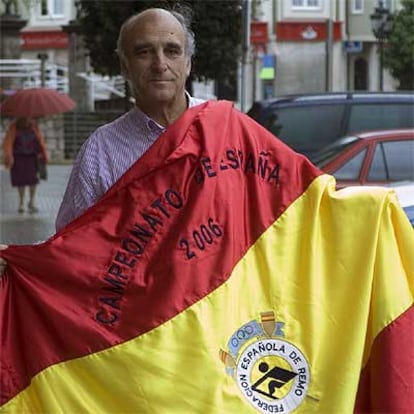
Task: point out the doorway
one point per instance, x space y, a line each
360 75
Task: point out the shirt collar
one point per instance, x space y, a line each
149 122
146 120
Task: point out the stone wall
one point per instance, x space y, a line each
52 128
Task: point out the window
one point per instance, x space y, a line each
357 6
306 4
330 152
351 169
308 127
51 8
380 116
387 4
392 161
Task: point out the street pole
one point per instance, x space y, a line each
328 55
43 57
381 21
245 51
381 74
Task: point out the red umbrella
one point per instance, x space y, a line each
36 103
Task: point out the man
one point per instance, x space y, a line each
155 49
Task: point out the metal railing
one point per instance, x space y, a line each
104 87
31 73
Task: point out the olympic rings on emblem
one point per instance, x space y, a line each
245 332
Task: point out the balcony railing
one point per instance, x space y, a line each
31 73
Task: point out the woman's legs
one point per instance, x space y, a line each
31 205
21 191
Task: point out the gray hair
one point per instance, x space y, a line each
184 18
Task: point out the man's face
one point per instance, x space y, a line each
156 63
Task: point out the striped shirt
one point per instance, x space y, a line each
104 157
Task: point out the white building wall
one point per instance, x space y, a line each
300 68
338 68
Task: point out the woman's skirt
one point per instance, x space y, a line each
24 170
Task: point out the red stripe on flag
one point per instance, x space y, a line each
387 381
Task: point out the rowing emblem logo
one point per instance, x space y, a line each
272 373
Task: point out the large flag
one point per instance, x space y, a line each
221 274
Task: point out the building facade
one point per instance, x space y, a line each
292 46
315 46
43 34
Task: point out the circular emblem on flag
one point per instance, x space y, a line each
272 374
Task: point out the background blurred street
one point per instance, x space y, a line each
27 228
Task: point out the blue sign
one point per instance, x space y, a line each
352 46
268 67
269 61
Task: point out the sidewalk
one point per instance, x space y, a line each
26 228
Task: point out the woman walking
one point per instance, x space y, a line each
23 148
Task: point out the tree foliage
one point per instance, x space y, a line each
216 23
399 53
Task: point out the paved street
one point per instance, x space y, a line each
26 228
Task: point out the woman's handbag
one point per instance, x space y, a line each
41 169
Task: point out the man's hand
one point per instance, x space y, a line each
2 261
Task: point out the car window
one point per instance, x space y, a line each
351 169
380 116
331 151
305 128
392 161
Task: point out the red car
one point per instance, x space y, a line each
369 158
